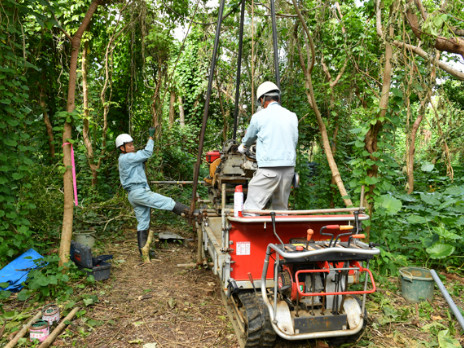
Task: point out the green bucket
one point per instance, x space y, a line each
416 284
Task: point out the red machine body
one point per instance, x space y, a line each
250 236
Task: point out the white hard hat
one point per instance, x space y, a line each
266 88
123 139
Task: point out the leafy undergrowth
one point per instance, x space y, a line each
170 306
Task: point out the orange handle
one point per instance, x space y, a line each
346 227
309 235
332 227
360 236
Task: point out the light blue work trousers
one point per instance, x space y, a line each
142 199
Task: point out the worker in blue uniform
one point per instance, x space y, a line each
275 131
134 181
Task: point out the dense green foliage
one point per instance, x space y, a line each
134 64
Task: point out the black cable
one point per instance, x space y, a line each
239 66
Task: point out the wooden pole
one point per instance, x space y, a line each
58 329
23 331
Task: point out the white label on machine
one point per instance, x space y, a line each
243 248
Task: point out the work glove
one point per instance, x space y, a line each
241 148
151 131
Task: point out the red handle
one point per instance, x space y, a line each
332 227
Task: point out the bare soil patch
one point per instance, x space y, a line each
169 306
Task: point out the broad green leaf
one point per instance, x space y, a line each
371 180
430 198
23 295
440 250
10 142
416 219
445 340
390 204
427 167
455 191
444 233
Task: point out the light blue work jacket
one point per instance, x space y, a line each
275 130
131 168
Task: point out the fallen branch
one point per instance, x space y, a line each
58 329
23 331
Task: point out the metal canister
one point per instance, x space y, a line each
51 314
39 330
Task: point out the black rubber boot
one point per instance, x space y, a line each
181 209
184 210
142 237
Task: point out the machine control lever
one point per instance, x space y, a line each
273 214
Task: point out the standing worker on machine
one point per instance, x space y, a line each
134 181
275 129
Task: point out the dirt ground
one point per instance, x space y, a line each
162 305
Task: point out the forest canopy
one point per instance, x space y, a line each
376 85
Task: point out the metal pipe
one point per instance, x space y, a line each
297 218
274 228
303 254
225 240
274 42
313 211
272 311
239 66
172 182
205 114
448 298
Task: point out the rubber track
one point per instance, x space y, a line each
259 331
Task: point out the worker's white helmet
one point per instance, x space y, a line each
123 139
267 88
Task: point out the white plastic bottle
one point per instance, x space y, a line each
238 201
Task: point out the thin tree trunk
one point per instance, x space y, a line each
68 208
156 108
412 150
415 127
48 124
171 109
371 137
85 130
332 84
181 112
307 68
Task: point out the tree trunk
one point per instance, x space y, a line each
371 137
415 127
325 142
85 130
412 150
48 124
181 112
68 209
172 112
309 90
451 45
155 109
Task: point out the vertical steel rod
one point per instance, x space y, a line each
239 67
274 41
205 114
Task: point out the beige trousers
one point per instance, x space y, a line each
267 183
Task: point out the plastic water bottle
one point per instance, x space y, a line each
238 201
